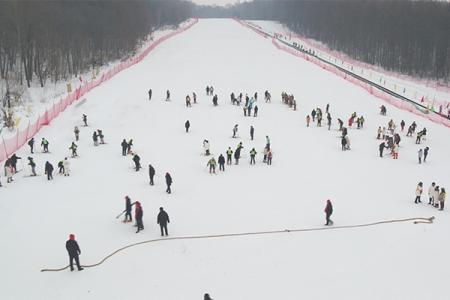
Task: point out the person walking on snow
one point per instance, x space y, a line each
168 183
128 205
124 147
267 142
150 94
252 132
44 144
308 120
137 162
31 144
420 153
221 162
431 193
74 147
101 136
328 212
212 165
252 156
255 111
129 144
95 138
77 133
49 170
269 157
229 154
194 97
138 214
381 148
162 220
167 95
313 115
441 198
419 190
151 173
74 252
32 164
66 165
235 129
13 161
85 120
187 125
61 167
425 154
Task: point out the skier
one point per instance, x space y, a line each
128 205
188 101
255 112
237 155
341 123
308 120
74 147
194 97
13 162
167 95
229 153
329 121
85 120
211 90
235 129
151 173
441 198
221 162
207 90
267 142
32 164
95 138
77 133
137 163
66 165
44 144
31 144
327 108
328 212
383 110
252 156
61 167
162 220
215 100
74 251
124 145
138 214
9 172
187 125
419 191
129 144
420 153
431 193
381 148
269 157
49 170
402 124
207 297
101 136
206 147
425 154
169 183
212 165
313 115
252 131
267 96
150 94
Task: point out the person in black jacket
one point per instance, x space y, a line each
329 212
13 161
151 173
138 214
381 148
31 144
252 132
169 183
150 94
221 162
425 153
49 170
137 162
187 125
124 147
128 205
74 251
32 164
163 219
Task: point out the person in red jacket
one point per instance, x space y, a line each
329 212
74 251
138 214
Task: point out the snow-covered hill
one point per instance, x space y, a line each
396 261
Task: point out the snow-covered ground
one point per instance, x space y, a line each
396 261
413 89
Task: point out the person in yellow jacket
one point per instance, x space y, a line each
212 165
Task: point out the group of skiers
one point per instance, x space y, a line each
289 100
98 135
436 195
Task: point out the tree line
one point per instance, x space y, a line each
410 37
54 40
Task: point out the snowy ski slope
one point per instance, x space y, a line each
396 261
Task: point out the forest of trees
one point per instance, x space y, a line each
410 37
53 40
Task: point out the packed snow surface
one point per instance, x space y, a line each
394 261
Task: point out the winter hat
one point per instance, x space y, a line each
72 236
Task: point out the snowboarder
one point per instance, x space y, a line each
212 165
187 125
32 164
124 147
169 183
162 220
252 131
255 111
441 198
66 165
49 170
431 193
420 154
308 120
425 154
128 205
44 144
328 212
77 133
229 153
235 129
31 144
85 120
138 214
137 164
95 138
151 173
74 147
74 251
150 94
167 95
419 190
206 147
252 156
221 162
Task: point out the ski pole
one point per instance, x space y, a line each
120 214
